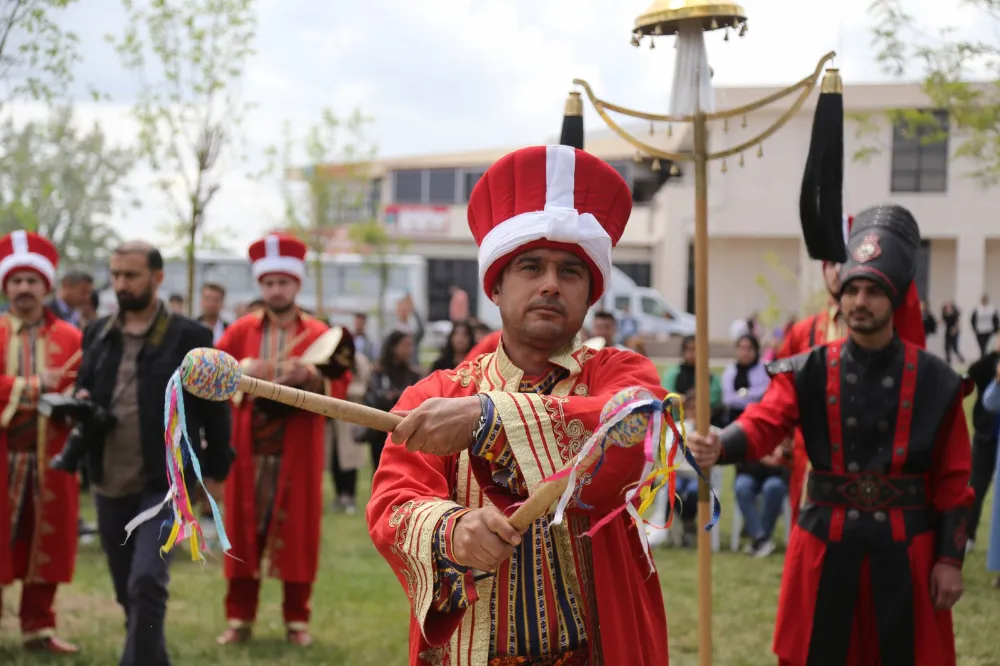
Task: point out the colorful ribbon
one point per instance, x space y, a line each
663 440
181 455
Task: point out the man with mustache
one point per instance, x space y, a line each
38 507
274 497
875 562
482 437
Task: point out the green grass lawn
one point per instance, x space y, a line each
360 613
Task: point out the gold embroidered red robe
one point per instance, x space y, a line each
30 490
561 592
276 485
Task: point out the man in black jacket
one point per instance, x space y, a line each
128 360
984 438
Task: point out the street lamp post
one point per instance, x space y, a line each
692 102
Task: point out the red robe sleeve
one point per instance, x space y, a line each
410 518
950 494
533 436
764 425
15 393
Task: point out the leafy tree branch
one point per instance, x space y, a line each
190 57
946 64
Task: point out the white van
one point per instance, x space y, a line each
655 316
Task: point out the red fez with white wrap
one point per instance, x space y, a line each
553 197
278 254
25 250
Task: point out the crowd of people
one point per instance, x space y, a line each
482 429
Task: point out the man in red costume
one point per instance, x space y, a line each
38 506
875 562
274 494
482 437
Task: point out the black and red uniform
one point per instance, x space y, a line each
888 495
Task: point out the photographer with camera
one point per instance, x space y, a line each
38 506
128 359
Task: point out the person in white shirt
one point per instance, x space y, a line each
985 323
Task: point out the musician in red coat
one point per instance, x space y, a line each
38 507
875 562
483 436
274 493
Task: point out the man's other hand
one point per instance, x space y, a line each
705 448
946 585
483 539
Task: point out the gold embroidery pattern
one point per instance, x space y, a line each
435 656
465 374
581 390
571 436
399 520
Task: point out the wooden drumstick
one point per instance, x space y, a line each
214 375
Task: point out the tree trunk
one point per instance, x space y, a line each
318 266
192 236
383 284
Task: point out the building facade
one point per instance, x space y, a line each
758 261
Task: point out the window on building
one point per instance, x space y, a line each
920 154
435 186
470 178
442 186
408 186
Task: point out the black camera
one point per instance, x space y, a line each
89 420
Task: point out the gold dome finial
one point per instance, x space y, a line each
664 17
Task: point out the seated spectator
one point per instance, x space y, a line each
679 379
744 381
766 480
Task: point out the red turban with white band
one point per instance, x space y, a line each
278 254
25 250
553 197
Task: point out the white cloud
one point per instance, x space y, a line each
445 75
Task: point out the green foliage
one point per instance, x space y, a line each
190 56
774 313
37 56
63 183
945 64
333 191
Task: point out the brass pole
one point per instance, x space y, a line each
703 412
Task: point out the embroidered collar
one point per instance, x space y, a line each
568 361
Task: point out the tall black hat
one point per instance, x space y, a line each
821 200
572 127
883 248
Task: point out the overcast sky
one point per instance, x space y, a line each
447 75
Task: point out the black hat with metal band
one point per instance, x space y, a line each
572 127
883 248
821 208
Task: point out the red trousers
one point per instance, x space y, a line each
243 594
37 599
